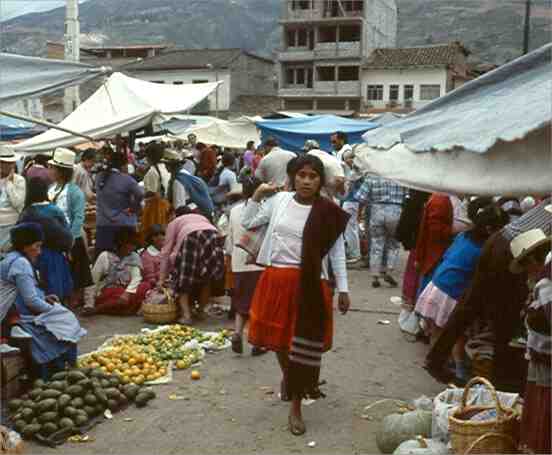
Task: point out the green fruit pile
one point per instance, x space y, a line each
71 399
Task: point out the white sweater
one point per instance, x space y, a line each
269 212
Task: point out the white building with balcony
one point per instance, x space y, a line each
409 78
324 45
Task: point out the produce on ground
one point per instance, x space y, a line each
71 399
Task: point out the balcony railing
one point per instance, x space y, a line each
321 9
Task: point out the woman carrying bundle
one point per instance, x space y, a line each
291 312
453 276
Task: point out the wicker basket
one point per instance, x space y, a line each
474 437
160 313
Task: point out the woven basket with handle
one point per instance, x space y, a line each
483 437
155 313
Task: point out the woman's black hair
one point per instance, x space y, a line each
125 235
307 160
88 154
228 159
115 160
183 210
154 152
250 185
41 159
487 220
153 232
37 191
477 204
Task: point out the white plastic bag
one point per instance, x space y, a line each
447 401
409 322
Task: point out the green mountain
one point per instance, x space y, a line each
492 29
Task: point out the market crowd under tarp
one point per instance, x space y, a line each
28 77
121 104
292 133
490 136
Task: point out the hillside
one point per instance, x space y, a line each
492 29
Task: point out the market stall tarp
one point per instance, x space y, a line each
292 133
503 105
11 129
121 104
27 77
232 134
489 137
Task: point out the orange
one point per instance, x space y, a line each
195 375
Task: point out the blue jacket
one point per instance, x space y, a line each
74 212
455 272
198 192
118 199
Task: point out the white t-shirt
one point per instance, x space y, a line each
273 167
343 150
332 168
180 195
288 235
152 182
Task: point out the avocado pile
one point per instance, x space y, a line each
70 400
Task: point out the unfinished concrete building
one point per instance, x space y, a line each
324 45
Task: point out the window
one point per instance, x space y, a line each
348 73
158 82
353 5
300 73
199 81
327 34
326 73
394 93
178 82
349 33
290 76
301 4
430 92
375 93
302 37
408 92
291 38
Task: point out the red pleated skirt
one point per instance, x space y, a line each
535 424
274 310
108 301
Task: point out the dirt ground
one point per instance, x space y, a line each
234 408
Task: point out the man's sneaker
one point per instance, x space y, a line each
376 283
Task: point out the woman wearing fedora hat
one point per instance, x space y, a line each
12 196
72 202
529 251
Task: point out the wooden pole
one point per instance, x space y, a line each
47 124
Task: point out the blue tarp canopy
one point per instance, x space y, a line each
291 133
11 129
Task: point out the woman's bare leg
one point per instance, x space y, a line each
185 312
204 296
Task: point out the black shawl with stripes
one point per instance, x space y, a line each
324 225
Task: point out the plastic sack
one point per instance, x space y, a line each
397 428
409 322
421 446
447 401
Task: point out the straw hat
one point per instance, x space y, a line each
524 244
7 155
548 208
63 158
171 155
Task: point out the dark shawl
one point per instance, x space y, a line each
324 225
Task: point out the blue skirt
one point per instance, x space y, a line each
55 273
45 347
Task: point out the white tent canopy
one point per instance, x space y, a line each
232 134
491 136
26 77
121 104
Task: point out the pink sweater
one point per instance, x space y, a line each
177 231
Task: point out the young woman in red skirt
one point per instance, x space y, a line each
291 313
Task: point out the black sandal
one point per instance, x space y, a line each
296 426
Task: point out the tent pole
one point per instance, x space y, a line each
47 124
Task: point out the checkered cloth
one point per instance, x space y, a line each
377 190
200 261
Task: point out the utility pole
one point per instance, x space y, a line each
527 27
72 51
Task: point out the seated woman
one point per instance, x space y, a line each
52 263
191 259
151 259
119 285
55 330
453 276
